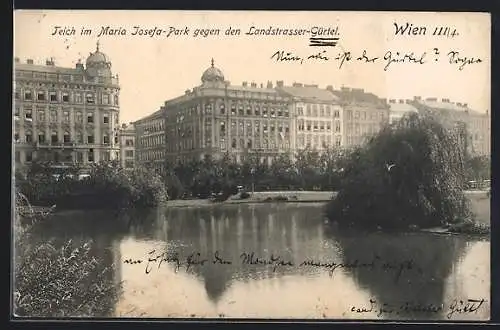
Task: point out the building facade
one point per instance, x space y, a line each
65 115
476 126
126 137
400 108
317 117
217 118
363 115
150 141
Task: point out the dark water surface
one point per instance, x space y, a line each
279 261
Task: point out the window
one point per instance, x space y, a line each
105 118
129 143
257 111
16 137
66 116
79 117
41 96
336 113
233 109
28 115
16 111
29 156
129 153
28 95
54 138
105 98
89 98
105 139
300 111
78 98
90 117
28 137
337 126
65 97
18 156
106 155
16 95
79 137
90 155
356 115
233 144
264 111
53 116
249 110
116 99
90 138
53 96
41 137
67 137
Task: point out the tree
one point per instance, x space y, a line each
409 174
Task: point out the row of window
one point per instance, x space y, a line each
151 155
152 141
364 115
66 114
76 157
154 127
316 141
308 125
67 97
357 128
66 138
316 110
129 153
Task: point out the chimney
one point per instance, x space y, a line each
329 88
253 85
417 98
465 105
244 84
49 62
269 84
445 100
16 59
280 83
29 61
297 85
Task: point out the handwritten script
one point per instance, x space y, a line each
456 307
388 59
195 259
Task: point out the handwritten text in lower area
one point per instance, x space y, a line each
405 308
387 60
155 259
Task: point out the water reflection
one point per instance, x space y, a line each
443 267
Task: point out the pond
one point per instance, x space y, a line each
278 261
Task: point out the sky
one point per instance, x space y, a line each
154 69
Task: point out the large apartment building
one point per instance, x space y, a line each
150 141
475 125
216 118
126 136
65 115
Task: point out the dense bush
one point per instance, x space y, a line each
109 186
60 280
410 174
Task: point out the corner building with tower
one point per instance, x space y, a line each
66 115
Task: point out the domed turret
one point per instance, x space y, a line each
98 64
212 74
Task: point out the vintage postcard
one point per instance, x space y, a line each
251 164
